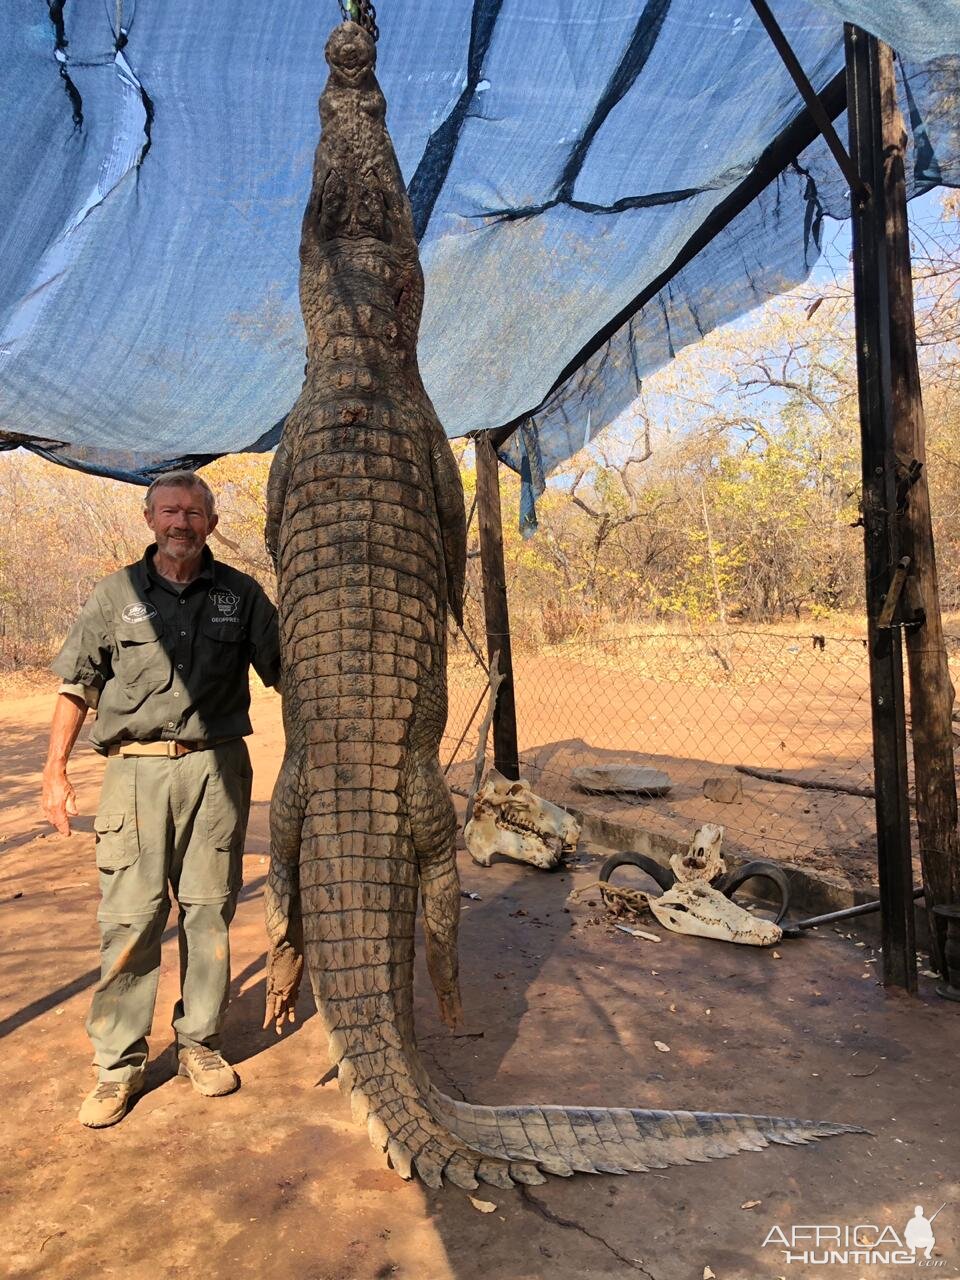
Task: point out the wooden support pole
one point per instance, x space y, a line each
872 312
505 754
931 690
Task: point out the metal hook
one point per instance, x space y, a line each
362 13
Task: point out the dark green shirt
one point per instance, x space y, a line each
171 662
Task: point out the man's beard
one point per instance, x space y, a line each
180 548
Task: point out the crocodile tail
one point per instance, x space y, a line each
566 1140
439 1137
359 943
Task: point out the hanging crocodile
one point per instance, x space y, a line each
365 524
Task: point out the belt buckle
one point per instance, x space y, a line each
172 752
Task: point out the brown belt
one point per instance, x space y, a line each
172 750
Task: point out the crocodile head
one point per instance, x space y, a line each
360 272
351 56
700 911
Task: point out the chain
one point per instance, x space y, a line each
362 13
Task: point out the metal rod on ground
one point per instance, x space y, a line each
505 753
931 690
846 913
872 313
809 784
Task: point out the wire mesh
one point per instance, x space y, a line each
788 716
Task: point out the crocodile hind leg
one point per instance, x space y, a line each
434 827
282 892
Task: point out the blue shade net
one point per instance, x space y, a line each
595 185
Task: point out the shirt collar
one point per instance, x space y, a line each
149 577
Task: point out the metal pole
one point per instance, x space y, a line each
810 97
872 312
505 754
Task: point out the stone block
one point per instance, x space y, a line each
724 790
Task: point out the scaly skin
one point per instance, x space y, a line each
366 527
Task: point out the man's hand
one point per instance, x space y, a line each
284 970
58 799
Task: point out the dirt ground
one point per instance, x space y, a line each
277 1181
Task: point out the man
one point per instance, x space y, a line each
162 650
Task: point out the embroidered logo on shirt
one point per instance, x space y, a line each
138 612
226 603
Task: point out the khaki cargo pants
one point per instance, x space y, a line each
165 821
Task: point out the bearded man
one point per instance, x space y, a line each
162 651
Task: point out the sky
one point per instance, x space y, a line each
924 215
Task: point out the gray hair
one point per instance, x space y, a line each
181 480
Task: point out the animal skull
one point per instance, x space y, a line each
697 909
694 907
703 860
509 818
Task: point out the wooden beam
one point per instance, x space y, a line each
872 313
931 690
505 754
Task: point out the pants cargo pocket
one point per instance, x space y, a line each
117 843
118 837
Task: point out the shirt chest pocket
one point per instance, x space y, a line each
140 657
225 631
222 647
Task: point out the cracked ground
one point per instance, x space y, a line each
277 1181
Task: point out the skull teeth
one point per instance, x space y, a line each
523 828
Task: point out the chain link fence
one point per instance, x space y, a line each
785 719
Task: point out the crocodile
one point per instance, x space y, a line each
365 524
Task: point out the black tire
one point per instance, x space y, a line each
731 882
663 876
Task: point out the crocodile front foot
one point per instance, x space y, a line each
284 971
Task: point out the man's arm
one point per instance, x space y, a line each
264 634
58 799
85 665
